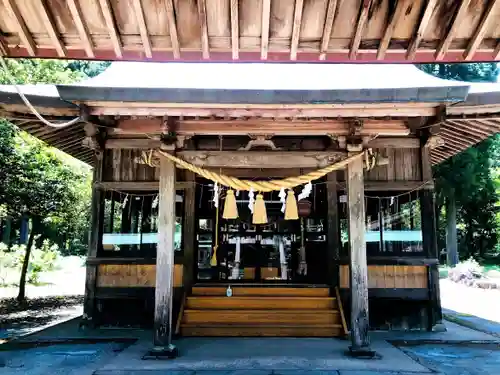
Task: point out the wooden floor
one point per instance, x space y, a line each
262 311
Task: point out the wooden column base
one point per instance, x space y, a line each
366 353
168 352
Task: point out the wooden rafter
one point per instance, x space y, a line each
107 12
467 127
202 13
83 32
463 130
266 17
22 29
458 133
446 42
143 29
395 17
172 27
4 49
297 23
487 125
460 144
450 136
360 28
422 26
51 28
478 36
235 30
327 28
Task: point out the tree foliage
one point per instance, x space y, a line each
469 177
37 182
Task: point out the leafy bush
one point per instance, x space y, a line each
43 259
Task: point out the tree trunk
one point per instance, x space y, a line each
22 281
451 231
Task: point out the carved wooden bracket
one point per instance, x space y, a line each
355 126
94 138
263 140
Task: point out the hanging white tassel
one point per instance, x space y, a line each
125 200
306 191
155 202
251 200
282 196
216 195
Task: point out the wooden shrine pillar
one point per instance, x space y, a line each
358 268
95 238
333 233
165 261
189 231
429 239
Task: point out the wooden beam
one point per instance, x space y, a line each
333 234
202 14
396 185
235 30
454 143
360 28
172 28
446 42
422 27
391 26
358 268
138 185
143 29
81 26
486 128
297 23
51 28
493 125
327 28
22 29
107 12
478 36
269 127
132 143
165 256
266 17
394 142
262 159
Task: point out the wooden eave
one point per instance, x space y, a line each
462 125
252 30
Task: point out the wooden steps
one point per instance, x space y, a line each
262 311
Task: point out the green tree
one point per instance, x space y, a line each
38 182
465 184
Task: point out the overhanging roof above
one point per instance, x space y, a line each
261 90
263 84
252 30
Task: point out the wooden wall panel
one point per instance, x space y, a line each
390 276
120 165
404 165
132 275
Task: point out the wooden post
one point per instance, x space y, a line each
95 238
165 261
429 239
358 268
189 230
333 235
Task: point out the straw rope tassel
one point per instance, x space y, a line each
230 206
259 210
291 209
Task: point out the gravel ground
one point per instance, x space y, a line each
59 298
483 303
